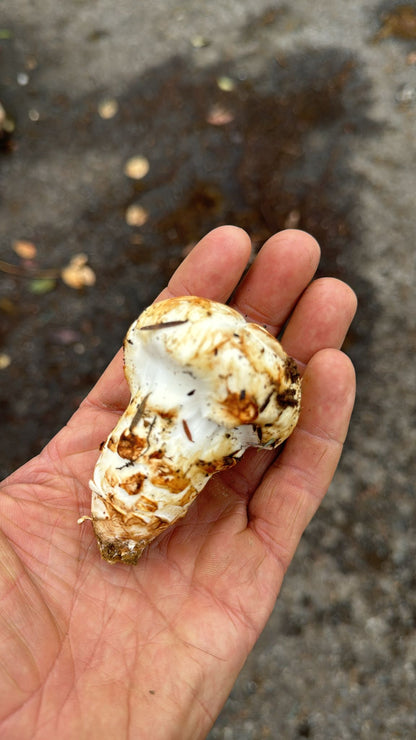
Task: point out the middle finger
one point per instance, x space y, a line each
280 273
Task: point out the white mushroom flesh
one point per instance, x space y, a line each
205 385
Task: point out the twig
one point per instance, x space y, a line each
22 272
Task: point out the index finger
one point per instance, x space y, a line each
283 268
214 266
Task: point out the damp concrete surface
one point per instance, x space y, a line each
264 115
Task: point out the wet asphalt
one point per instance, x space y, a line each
263 114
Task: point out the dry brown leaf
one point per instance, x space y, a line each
136 167
108 108
136 215
5 360
218 115
225 83
199 42
77 274
24 249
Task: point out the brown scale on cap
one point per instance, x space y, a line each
241 407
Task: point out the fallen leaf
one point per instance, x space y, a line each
6 123
24 249
218 115
199 42
77 274
136 215
108 108
137 167
42 285
226 84
5 360
64 335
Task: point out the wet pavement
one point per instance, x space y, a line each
264 115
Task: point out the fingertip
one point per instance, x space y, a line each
299 233
337 294
230 234
328 393
298 239
233 240
336 365
321 318
283 268
213 267
347 294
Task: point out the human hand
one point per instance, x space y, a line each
92 650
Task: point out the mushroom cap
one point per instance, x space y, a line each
247 376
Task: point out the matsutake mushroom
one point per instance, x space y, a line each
205 385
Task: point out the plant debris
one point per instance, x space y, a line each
7 127
219 115
136 215
5 360
137 167
108 108
40 286
226 84
199 42
24 249
77 274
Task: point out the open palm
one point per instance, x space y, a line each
92 650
